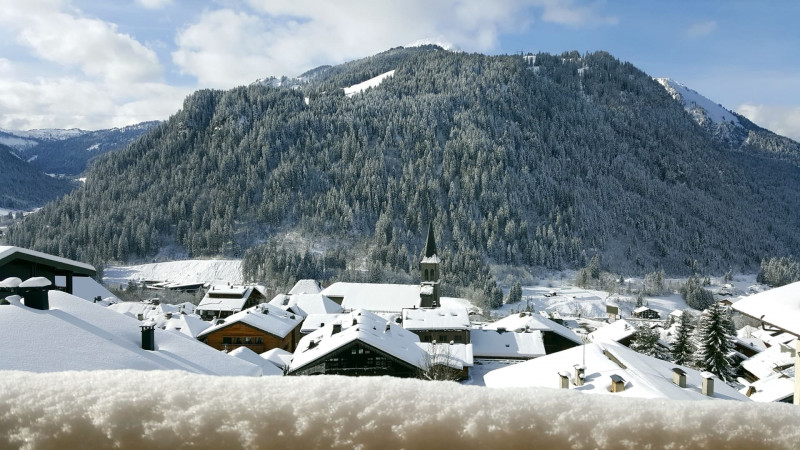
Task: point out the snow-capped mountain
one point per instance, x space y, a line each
729 128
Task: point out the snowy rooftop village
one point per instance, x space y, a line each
561 339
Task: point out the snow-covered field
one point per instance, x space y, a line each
167 410
187 271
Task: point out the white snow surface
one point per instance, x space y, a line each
47 134
264 317
694 102
87 288
147 410
613 332
364 85
527 321
779 307
375 297
78 335
436 319
186 271
267 367
507 344
306 304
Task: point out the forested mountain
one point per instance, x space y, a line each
24 187
68 152
538 160
730 129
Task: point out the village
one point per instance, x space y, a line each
404 331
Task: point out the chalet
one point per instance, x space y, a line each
316 321
643 312
74 334
440 325
222 300
259 328
306 287
555 336
778 308
23 263
620 331
612 369
306 304
360 343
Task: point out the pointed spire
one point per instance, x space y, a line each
430 243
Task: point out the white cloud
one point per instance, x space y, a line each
286 37
783 120
701 29
154 4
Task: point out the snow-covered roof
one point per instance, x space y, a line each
87 288
528 321
267 368
375 297
264 317
506 344
456 356
613 332
644 376
363 326
78 335
779 307
776 359
643 309
306 287
225 298
316 321
147 309
436 319
189 324
306 304
10 251
772 389
278 357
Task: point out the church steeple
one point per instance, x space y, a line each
430 242
429 273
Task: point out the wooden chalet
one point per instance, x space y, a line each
23 263
260 328
643 312
222 301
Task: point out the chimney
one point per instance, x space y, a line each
563 380
34 291
148 336
140 317
579 375
617 383
679 377
388 327
708 383
337 327
750 390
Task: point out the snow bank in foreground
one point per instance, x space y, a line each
154 410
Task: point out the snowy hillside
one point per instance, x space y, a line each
364 85
155 410
699 107
188 271
47 134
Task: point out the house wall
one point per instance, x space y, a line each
243 335
358 359
27 269
443 336
554 342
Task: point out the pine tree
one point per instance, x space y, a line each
645 341
682 347
714 341
515 293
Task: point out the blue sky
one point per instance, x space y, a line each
89 64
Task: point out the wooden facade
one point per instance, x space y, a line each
60 272
358 359
554 342
443 336
239 334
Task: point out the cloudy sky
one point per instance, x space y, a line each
92 65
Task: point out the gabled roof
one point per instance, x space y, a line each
306 287
245 354
779 307
436 319
306 304
225 298
644 376
78 335
188 324
772 389
316 321
530 321
506 344
9 253
613 332
430 242
776 359
375 297
363 326
264 317
278 357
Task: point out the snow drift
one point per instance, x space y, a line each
155 410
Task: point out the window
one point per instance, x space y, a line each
227 340
259 340
458 338
238 340
443 338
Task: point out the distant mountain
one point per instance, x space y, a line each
541 160
729 128
68 152
25 187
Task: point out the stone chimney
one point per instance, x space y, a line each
148 336
34 291
708 383
563 380
617 383
679 377
579 375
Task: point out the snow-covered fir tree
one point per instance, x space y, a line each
645 341
714 342
683 348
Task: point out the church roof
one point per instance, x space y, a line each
430 242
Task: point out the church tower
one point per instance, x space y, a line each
429 272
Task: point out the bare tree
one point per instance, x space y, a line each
438 363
